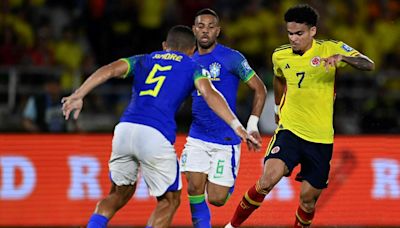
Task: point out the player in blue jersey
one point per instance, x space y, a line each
146 132
211 156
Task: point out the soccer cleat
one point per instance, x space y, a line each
229 226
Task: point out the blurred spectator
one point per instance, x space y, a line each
69 54
10 50
42 112
42 52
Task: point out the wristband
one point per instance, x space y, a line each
252 123
276 109
235 123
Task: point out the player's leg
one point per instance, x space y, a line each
314 175
107 207
123 173
195 163
167 205
225 160
308 198
274 170
160 170
279 162
197 199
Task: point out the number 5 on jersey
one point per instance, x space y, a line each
151 79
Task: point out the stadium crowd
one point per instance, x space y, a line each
64 41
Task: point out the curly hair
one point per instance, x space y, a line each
302 13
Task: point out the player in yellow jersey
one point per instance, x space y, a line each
304 95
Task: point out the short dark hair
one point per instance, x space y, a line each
207 11
181 38
302 13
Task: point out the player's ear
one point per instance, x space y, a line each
313 31
218 31
164 46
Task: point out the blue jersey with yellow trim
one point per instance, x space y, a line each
226 67
161 82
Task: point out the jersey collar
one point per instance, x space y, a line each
309 51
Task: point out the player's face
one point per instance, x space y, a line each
300 36
206 29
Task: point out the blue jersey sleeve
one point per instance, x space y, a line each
200 73
131 61
240 67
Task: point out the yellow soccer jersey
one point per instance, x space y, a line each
306 108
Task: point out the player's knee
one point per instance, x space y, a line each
195 189
308 201
217 200
266 183
308 204
170 205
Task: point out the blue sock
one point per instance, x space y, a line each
200 212
148 227
97 221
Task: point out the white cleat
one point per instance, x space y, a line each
229 226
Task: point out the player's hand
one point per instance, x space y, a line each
250 145
72 103
332 61
245 136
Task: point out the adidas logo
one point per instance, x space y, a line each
287 66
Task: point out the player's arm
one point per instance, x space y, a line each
279 84
219 105
74 102
360 62
260 94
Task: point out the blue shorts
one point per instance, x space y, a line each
314 158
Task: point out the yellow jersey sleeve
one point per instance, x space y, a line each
339 47
276 68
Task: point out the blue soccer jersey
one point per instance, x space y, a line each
161 82
227 67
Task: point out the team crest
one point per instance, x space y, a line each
315 61
215 70
275 150
183 159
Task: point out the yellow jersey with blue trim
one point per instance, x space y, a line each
306 108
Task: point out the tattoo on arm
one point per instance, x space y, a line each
360 62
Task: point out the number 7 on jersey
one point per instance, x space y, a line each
301 74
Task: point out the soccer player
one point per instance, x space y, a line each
211 155
304 95
146 132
